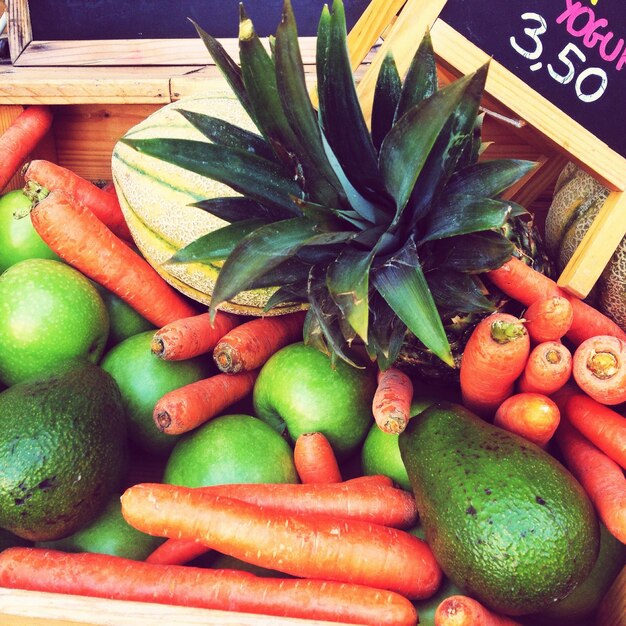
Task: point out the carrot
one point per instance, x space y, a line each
549 319
493 359
106 576
391 405
79 237
21 138
599 368
315 459
524 284
249 345
43 175
601 477
363 498
534 416
465 611
602 426
304 545
548 368
187 407
191 336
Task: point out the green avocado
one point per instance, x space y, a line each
63 450
508 524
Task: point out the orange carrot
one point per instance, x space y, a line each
20 138
534 416
548 368
308 546
315 459
105 206
249 345
524 284
79 237
391 405
106 576
601 477
191 336
604 427
549 319
493 359
465 611
362 498
187 407
599 368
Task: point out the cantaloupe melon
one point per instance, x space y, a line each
156 196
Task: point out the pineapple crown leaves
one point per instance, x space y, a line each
379 231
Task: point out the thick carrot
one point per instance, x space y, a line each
104 205
599 368
364 498
391 405
308 546
21 137
79 237
524 284
191 336
465 611
249 345
601 477
315 459
105 576
187 407
604 427
493 359
534 416
549 319
548 368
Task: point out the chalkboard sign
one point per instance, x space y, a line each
572 52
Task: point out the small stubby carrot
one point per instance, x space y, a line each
315 460
601 477
549 319
525 284
250 344
189 337
547 369
391 405
190 406
462 610
494 358
21 138
307 546
601 425
599 368
113 577
84 242
534 416
41 175
366 498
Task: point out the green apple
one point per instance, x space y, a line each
143 379
231 449
125 322
299 390
49 312
18 238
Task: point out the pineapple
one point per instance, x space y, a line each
382 232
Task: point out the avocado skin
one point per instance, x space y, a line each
63 450
506 521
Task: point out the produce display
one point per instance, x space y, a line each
297 363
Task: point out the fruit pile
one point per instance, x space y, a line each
310 462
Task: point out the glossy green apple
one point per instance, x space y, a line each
298 390
18 238
49 312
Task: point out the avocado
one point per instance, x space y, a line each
505 520
63 450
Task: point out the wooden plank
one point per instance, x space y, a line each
20 31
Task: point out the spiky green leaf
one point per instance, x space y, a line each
386 97
454 291
474 253
237 208
386 333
